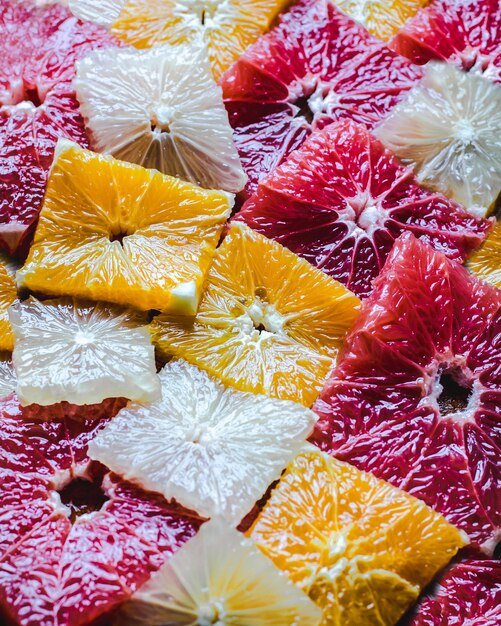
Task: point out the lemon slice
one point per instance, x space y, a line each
8 295
486 261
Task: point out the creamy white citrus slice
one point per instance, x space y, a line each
103 12
7 376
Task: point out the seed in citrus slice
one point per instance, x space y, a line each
464 32
219 577
117 232
486 262
160 108
341 200
8 294
103 12
268 321
7 376
359 547
448 129
81 353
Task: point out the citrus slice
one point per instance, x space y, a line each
187 445
315 67
415 397
219 577
448 129
341 200
80 353
103 12
117 232
268 321
486 262
8 294
464 32
161 109
7 376
359 547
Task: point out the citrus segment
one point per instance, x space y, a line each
161 109
252 330
359 547
8 294
486 262
103 12
117 232
219 577
448 129
7 376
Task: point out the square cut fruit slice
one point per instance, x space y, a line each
486 261
8 295
117 232
268 321
81 353
341 200
315 67
219 577
188 445
359 547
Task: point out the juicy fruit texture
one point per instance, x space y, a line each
341 200
252 331
212 448
65 557
360 548
486 262
316 66
219 577
81 353
117 232
226 27
161 109
103 12
464 32
7 376
415 397
449 130
8 294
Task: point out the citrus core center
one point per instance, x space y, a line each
455 394
82 496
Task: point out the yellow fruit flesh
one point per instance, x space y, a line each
486 262
8 294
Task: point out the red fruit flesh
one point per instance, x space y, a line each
316 66
415 396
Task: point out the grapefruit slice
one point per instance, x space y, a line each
102 12
146 240
219 577
415 398
316 66
448 129
486 262
464 32
8 294
252 330
341 200
187 445
161 109
81 353
360 548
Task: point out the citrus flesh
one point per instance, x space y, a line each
268 321
486 262
146 241
103 12
8 294
7 376
359 547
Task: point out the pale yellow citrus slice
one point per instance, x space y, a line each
486 261
8 295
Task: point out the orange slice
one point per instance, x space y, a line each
361 548
486 261
8 295
117 232
268 322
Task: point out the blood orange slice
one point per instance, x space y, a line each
316 66
341 200
415 398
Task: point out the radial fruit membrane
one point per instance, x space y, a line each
360 548
268 321
486 262
8 294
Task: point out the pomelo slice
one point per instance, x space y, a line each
81 353
486 262
341 200
253 330
359 547
316 66
161 109
146 239
464 32
448 129
219 577
103 12
8 294
415 397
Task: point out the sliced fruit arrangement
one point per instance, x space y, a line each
268 321
316 66
8 294
160 108
103 12
75 541
188 445
415 398
7 376
146 240
486 262
359 547
448 129
464 32
341 200
81 353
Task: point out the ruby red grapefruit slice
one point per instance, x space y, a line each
415 398
316 66
342 199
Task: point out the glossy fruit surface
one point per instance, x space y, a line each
486 261
103 12
8 294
